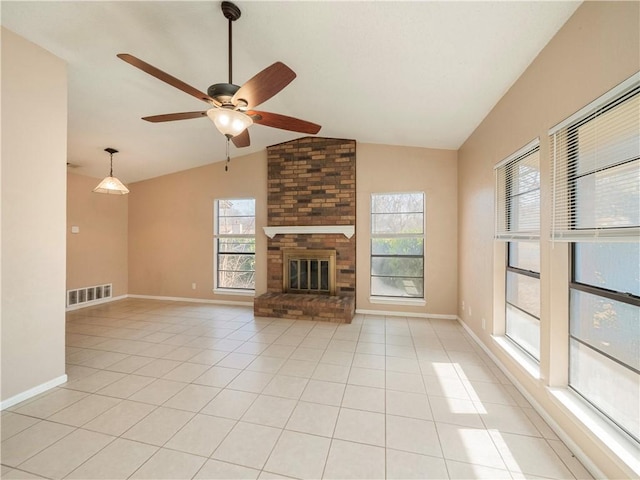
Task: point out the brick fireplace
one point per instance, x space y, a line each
311 208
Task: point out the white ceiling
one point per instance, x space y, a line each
402 73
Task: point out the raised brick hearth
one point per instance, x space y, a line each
312 182
323 308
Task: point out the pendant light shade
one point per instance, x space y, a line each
229 122
111 184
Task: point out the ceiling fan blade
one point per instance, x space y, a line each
169 117
283 122
242 139
264 84
165 77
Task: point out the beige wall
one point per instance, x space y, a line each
385 169
597 48
171 223
171 227
34 135
98 254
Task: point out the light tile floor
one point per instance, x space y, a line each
184 390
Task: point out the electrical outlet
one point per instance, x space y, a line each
193 286
463 305
469 311
484 324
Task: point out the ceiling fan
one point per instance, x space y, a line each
232 105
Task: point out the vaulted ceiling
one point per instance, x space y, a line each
402 73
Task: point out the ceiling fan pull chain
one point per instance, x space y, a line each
226 167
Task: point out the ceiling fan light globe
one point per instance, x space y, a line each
238 125
229 122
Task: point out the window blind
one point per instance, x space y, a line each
518 195
595 169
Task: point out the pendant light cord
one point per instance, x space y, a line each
111 165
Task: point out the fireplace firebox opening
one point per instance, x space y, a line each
309 271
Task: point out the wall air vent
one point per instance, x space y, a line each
88 295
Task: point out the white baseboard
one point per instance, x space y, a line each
93 303
194 300
250 304
406 314
32 392
575 449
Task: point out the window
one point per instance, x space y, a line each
518 220
522 316
604 338
235 244
397 245
596 165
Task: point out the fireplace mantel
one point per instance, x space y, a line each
346 230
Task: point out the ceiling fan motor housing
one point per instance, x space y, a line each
223 92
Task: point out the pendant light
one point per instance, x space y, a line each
111 184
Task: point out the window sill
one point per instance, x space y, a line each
621 447
229 291
417 302
525 361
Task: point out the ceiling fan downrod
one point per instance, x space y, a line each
232 13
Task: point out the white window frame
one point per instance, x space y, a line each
510 232
390 299
217 236
566 205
